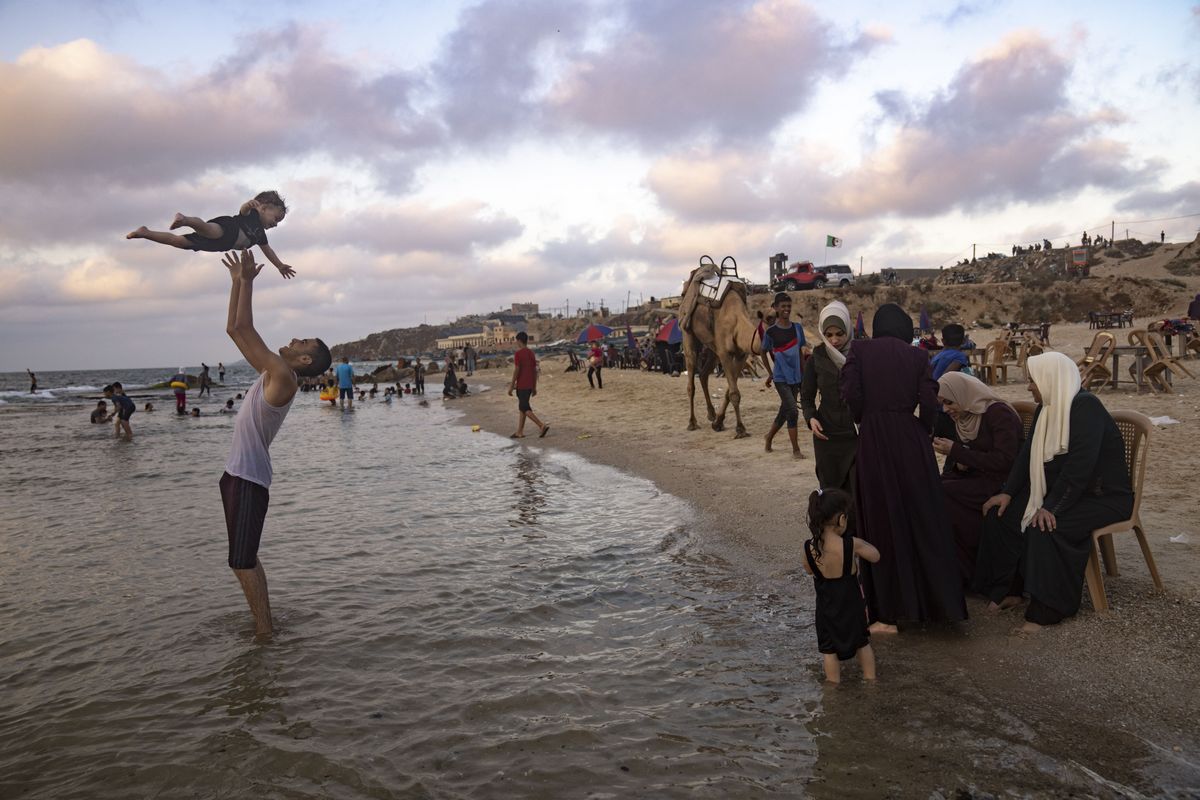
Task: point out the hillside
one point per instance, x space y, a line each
1154 280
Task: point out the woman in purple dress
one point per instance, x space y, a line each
900 506
977 464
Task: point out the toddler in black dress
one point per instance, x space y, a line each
841 610
223 234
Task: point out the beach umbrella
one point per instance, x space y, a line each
925 324
592 333
670 332
629 340
860 329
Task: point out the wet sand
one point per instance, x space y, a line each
1108 703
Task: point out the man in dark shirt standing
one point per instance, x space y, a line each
524 381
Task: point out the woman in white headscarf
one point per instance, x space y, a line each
1069 479
835 438
987 438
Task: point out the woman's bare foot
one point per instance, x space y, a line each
1011 601
1026 630
767 447
178 222
882 627
797 454
140 233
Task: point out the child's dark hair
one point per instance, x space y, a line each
272 197
824 505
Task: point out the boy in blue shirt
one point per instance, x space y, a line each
345 377
785 342
950 358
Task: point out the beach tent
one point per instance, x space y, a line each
593 333
925 324
670 332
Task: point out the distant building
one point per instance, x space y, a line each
530 309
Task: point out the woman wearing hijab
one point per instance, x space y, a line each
835 439
1194 308
989 437
1068 480
900 506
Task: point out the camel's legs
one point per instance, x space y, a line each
732 368
705 368
691 356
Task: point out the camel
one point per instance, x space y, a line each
725 333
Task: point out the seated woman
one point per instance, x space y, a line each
988 438
1069 479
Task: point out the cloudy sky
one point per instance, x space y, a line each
442 158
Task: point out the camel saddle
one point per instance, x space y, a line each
708 284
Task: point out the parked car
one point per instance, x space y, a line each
838 274
801 275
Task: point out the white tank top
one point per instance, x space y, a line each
257 423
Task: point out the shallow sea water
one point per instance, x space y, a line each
458 616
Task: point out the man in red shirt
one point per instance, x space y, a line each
524 381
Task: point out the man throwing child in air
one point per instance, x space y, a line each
247 478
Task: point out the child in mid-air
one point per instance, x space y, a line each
222 234
841 610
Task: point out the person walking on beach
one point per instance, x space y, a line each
596 366
205 381
179 384
418 378
221 372
901 510
471 357
345 377
246 482
524 382
835 439
785 342
32 381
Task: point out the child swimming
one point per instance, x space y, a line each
841 610
222 234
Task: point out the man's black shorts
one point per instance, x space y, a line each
245 510
523 396
125 412
344 393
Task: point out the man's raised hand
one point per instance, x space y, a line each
242 266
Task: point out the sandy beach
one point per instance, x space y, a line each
1118 688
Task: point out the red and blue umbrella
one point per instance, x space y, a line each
670 332
593 333
860 329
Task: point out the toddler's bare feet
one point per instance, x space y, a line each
882 627
140 233
178 222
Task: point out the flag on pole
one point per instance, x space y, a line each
832 241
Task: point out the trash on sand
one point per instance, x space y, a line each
475 429
1180 539
1164 421
584 436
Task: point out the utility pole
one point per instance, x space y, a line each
860 266
972 254
1113 235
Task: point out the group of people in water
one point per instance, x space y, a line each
1008 517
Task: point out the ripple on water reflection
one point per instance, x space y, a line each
457 615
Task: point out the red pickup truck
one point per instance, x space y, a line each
800 275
